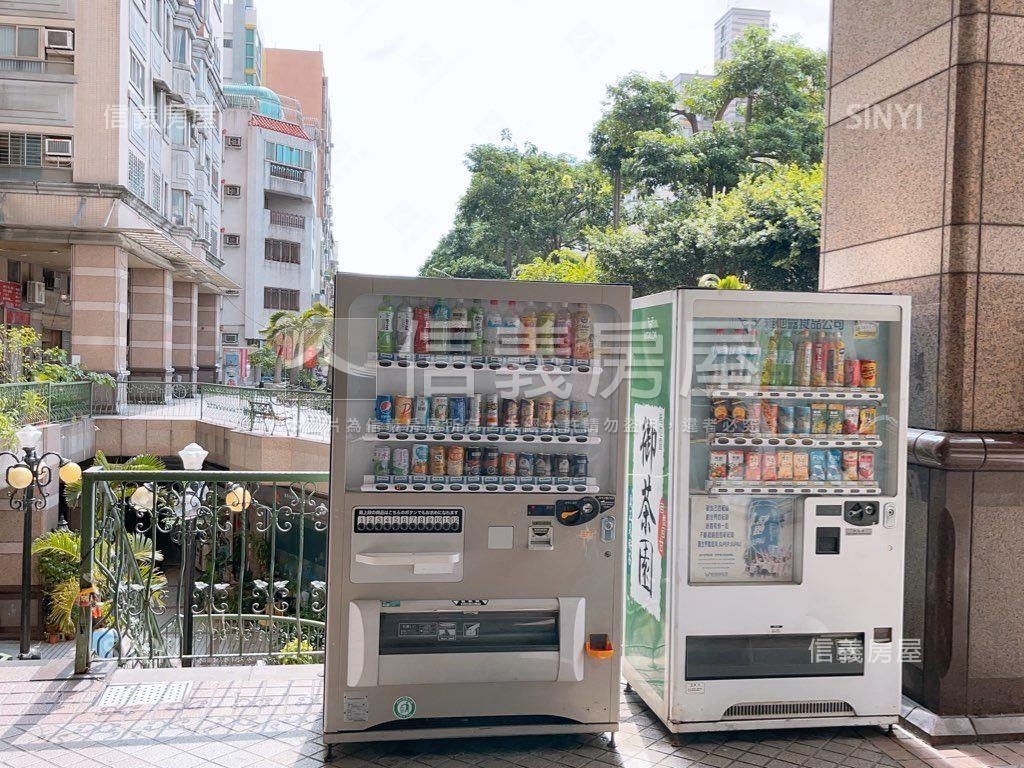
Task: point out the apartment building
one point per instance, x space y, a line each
110 164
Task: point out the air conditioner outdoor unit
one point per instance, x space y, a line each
233 142
60 39
58 146
235 240
231 339
232 190
35 292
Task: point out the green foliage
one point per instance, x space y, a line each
520 204
263 357
468 267
296 651
290 334
561 266
727 283
52 365
141 463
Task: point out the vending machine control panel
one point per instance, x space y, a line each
573 511
407 521
860 512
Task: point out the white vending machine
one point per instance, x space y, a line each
766 508
475 547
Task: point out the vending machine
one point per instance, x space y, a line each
766 508
475 545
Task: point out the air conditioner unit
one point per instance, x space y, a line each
60 39
35 292
232 190
230 339
234 240
233 142
58 146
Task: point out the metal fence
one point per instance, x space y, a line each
203 568
34 402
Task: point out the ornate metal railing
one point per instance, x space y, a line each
34 402
203 568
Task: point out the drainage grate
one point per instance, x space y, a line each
788 709
144 694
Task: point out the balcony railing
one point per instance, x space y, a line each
36 402
287 172
38 66
203 568
285 219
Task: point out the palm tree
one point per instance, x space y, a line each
298 331
282 332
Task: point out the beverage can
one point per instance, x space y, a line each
580 465
851 420
439 409
802 419
835 418
868 373
785 460
818 466
834 465
474 461
384 408
381 460
851 373
579 414
526 415
402 410
545 412
718 465
420 460
508 464
850 465
542 465
456 457
736 464
457 411
490 412
866 467
473 411
438 460
400 462
754 417
525 465
492 461
563 414
509 414
868 417
421 410
801 466
787 419
561 465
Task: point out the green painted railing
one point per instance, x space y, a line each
34 402
203 568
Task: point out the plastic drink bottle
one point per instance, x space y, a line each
509 340
582 333
771 357
784 365
528 324
476 328
386 327
819 361
421 316
563 332
804 359
440 321
405 328
546 332
492 330
459 329
836 360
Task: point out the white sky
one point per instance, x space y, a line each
414 83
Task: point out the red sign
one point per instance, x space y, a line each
17 317
10 294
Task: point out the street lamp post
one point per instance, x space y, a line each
192 458
28 478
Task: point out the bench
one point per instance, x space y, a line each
264 410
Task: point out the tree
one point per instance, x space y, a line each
561 266
766 230
469 267
299 337
634 104
520 204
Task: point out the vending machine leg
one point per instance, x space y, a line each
330 752
611 739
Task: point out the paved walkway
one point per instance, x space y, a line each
269 717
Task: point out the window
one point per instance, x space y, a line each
293 156
179 207
282 250
159 111
35 150
13 271
137 125
228 43
179 46
137 25
137 74
177 126
22 42
157 18
281 298
136 175
156 192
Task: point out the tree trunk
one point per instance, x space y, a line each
508 257
616 197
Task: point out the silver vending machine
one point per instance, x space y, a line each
766 496
475 549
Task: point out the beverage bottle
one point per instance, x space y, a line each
528 326
405 328
546 332
819 360
582 333
804 359
784 366
836 359
492 330
563 332
476 328
458 333
771 357
509 341
440 322
386 327
421 316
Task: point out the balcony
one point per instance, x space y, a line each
290 181
285 219
38 66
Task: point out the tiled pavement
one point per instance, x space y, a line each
269 717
